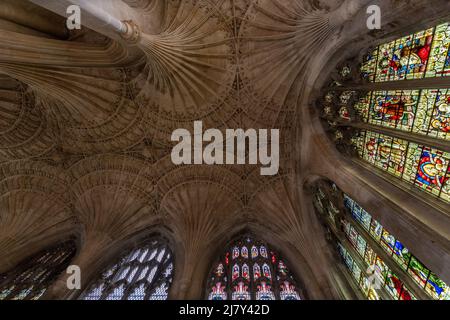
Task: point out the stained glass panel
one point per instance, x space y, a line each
414 56
439 63
435 287
418 271
257 275
426 168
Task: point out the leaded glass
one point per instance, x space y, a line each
260 275
414 56
435 287
395 109
143 273
418 271
433 114
426 168
425 112
30 279
439 63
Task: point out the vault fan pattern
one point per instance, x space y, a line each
86 121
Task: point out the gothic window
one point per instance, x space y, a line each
31 278
250 270
142 273
360 257
425 112
414 56
403 132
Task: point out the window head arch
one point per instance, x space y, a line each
143 272
250 270
31 279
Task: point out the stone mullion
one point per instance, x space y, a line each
404 135
415 84
157 278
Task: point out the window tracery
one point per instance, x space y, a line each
249 270
403 132
143 273
341 213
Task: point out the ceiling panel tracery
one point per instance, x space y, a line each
94 120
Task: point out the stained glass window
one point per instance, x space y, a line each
425 112
30 279
414 56
260 275
142 273
427 280
360 277
426 168
393 285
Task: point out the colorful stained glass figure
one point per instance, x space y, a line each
256 271
254 252
425 167
288 291
433 114
264 291
266 271
245 272
437 288
218 292
220 270
414 56
244 252
240 292
282 269
255 278
235 272
235 252
263 251
369 66
418 271
395 109
429 170
405 58
426 112
344 113
439 62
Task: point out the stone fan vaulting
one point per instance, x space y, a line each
86 120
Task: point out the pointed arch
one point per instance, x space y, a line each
261 275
